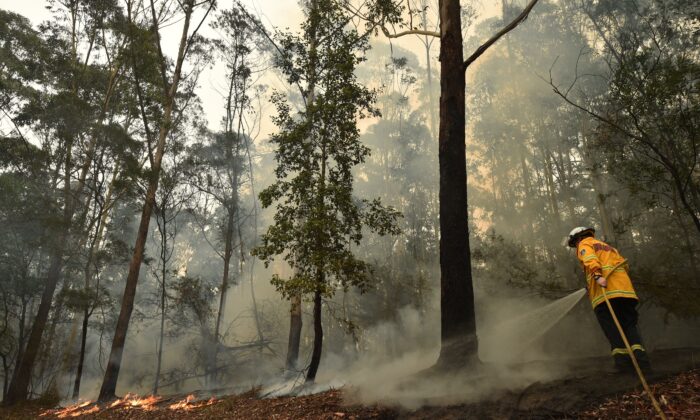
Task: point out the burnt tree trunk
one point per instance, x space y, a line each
318 339
295 325
81 359
458 335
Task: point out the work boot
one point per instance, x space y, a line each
643 361
623 363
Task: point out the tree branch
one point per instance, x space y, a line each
385 31
410 32
512 25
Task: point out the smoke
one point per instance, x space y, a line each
528 183
509 362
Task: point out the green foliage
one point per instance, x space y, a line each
511 264
317 219
78 300
539 167
653 103
192 299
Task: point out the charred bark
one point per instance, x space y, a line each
81 358
318 339
458 335
295 324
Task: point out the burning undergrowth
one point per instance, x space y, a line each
130 402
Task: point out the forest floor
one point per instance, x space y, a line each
593 391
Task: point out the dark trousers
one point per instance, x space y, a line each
625 309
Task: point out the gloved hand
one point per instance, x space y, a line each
601 281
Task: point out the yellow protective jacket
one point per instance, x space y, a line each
598 258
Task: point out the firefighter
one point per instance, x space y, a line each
597 258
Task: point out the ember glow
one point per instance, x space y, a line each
189 403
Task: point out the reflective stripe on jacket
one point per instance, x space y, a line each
598 258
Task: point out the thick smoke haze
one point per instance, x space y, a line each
536 168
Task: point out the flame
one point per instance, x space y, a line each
134 401
129 402
74 410
189 403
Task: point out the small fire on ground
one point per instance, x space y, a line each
129 402
189 403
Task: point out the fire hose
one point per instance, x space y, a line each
642 379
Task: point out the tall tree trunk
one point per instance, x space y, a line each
47 353
163 277
81 358
96 244
320 274
318 338
228 252
458 335
429 70
295 325
255 236
21 377
161 339
109 382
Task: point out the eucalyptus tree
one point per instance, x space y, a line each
219 166
651 107
644 133
23 171
171 199
111 182
22 227
459 345
138 35
65 114
317 219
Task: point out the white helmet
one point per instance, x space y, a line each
578 232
